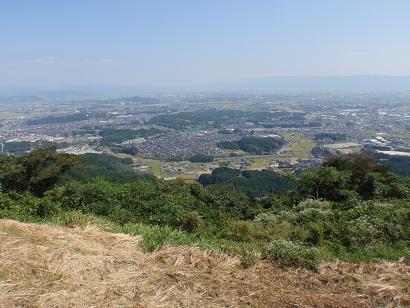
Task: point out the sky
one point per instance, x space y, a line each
185 43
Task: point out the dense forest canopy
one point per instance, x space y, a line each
216 118
184 120
22 147
112 136
253 145
331 136
80 116
398 164
253 183
37 171
101 165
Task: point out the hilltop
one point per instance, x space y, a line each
47 265
338 237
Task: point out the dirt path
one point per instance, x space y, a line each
50 266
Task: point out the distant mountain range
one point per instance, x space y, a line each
325 83
366 83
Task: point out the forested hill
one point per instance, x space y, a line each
253 183
104 166
253 145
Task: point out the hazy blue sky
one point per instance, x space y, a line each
171 42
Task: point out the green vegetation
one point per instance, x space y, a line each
251 182
154 166
201 158
105 166
359 174
253 145
291 254
36 172
183 120
300 146
111 136
217 118
81 116
351 208
333 136
21 147
399 164
370 133
198 158
319 151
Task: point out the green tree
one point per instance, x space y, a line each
369 178
37 171
326 182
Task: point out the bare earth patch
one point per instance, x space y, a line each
50 266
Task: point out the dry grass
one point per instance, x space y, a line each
50 266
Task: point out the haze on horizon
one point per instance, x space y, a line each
188 43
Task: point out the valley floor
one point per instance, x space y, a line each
52 266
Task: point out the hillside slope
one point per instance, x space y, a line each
49 266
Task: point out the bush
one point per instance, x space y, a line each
26 207
46 208
248 258
286 253
313 215
268 220
156 236
287 231
73 219
246 231
313 204
192 222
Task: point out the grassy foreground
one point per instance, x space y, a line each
83 266
351 209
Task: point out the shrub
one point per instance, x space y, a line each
286 253
313 204
192 222
313 215
73 219
26 207
46 208
248 258
268 220
288 231
156 236
247 231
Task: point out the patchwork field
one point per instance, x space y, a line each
299 147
